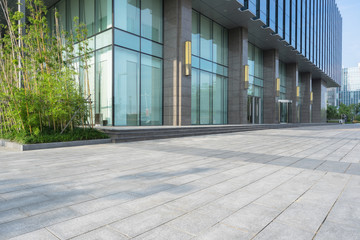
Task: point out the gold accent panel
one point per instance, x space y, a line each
246 77
187 58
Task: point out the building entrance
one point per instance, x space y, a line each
285 111
254 110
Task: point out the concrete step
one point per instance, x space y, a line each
119 134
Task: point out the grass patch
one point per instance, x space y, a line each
49 136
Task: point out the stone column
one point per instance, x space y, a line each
292 80
271 73
306 87
238 58
177 86
319 101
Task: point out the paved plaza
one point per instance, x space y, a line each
300 183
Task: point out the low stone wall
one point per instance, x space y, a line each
28 147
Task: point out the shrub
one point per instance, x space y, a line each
46 95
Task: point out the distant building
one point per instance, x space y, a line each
349 93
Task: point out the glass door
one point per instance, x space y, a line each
254 110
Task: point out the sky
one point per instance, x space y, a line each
350 12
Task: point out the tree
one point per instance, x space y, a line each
48 95
332 112
347 111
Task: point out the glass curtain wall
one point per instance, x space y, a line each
97 79
138 64
209 71
256 75
282 75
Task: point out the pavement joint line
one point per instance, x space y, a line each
185 212
348 153
347 182
51 233
117 204
289 206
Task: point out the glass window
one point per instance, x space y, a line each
87 12
127 15
61 9
152 20
211 43
151 47
127 85
127 40
219 100
104 39
103 15
206 36
218 45
151 90
195 97
205 98
87 81
73 11
103 98
195 37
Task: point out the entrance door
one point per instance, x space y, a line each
285 111
254 110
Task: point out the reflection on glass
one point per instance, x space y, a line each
126 86
205 98
205 38
87 11
104 84
151 90
152 20
127 15
195 97
103 15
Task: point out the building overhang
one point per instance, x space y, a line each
229 13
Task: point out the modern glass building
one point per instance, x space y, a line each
183 62
349 93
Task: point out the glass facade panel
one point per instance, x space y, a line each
195 36
104 39
209 74
127 15
280 18
256 84
87 15
218 46
205 38
103 15
73 11
103 93
127 40
282 75
205 97
126 87
151 90
219 100
195 96
152 20
151 48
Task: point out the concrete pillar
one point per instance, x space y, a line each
271 73
305 89
319 101
177 86
238 58
292 80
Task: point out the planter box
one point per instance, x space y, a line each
28 147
